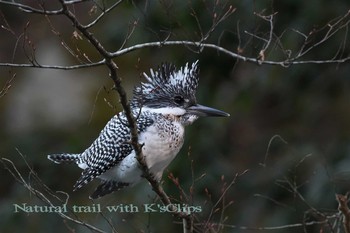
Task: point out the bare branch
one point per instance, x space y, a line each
198 45
268 148
262 52
128 113
104 12
131 29
7 86
55 67
344 209
333 28
12 169
277 228
214 208
28 9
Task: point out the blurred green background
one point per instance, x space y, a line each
287 137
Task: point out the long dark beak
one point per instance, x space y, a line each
200 110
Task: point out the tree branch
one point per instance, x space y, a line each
28 9
106 59
12 169
128 113
54 67
104 12
344 209
198 45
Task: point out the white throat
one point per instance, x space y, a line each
166 110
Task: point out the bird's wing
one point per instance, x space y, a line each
110 148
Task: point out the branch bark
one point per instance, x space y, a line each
112 67
344 209
198 45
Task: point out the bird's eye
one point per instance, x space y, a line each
179 100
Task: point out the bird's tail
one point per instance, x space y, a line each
63 158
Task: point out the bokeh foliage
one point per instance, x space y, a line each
283 179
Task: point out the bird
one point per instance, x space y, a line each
162 106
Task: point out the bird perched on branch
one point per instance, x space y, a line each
162 107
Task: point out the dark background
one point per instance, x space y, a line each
287 138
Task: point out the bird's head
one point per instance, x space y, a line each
171 91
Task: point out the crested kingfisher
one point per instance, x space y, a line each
162 107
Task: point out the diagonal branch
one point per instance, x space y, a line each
129 115
12 169
28 9
104 12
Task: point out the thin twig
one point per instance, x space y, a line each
11 167
263 164
262 52
270 228
28 9
104 12
344 209
332 29
54 67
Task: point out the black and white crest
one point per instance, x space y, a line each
168 86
